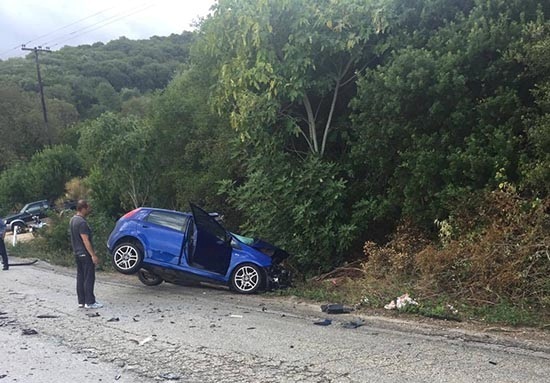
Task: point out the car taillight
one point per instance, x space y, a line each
130 214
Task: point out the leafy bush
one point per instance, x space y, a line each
300 208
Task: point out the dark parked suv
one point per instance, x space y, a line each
17 222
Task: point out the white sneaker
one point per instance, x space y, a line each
81 305
95 305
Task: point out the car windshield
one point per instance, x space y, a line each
246 240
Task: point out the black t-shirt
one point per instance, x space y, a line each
78 225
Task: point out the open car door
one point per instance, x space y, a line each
212 250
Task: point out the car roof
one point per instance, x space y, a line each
149 209
39 201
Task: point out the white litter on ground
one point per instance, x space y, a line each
401 302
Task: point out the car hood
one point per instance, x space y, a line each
13 216
277 254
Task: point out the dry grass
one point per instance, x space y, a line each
492 261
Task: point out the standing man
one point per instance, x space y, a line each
86 259
3 251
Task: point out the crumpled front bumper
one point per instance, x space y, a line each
278 278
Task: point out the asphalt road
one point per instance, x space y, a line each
202 334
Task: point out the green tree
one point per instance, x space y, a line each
284 74
116 152
192 144
288 65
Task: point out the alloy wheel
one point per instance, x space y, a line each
126 257
246 278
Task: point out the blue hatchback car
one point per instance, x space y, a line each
185 248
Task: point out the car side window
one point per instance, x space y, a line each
173 221
34 208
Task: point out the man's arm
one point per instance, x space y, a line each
89 248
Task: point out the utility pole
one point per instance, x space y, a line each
44 111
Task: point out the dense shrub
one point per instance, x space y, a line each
300 209
497 252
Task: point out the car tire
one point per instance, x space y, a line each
18 228
148 278
247 278
127 258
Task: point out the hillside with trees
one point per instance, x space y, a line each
81 83
409 137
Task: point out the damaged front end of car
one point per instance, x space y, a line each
278 278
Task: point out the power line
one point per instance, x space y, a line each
56 30
69 25
85 29
101 24
9 50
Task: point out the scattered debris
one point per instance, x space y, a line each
169 376
235 316
144 341
93 315
47 316
113 320
335 309
325 322
353 324
29 331
3 376
118 377
493 363
452 309
251 328
401 302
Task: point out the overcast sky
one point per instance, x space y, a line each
56 23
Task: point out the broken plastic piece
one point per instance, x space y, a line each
335 309
353 324
325 322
